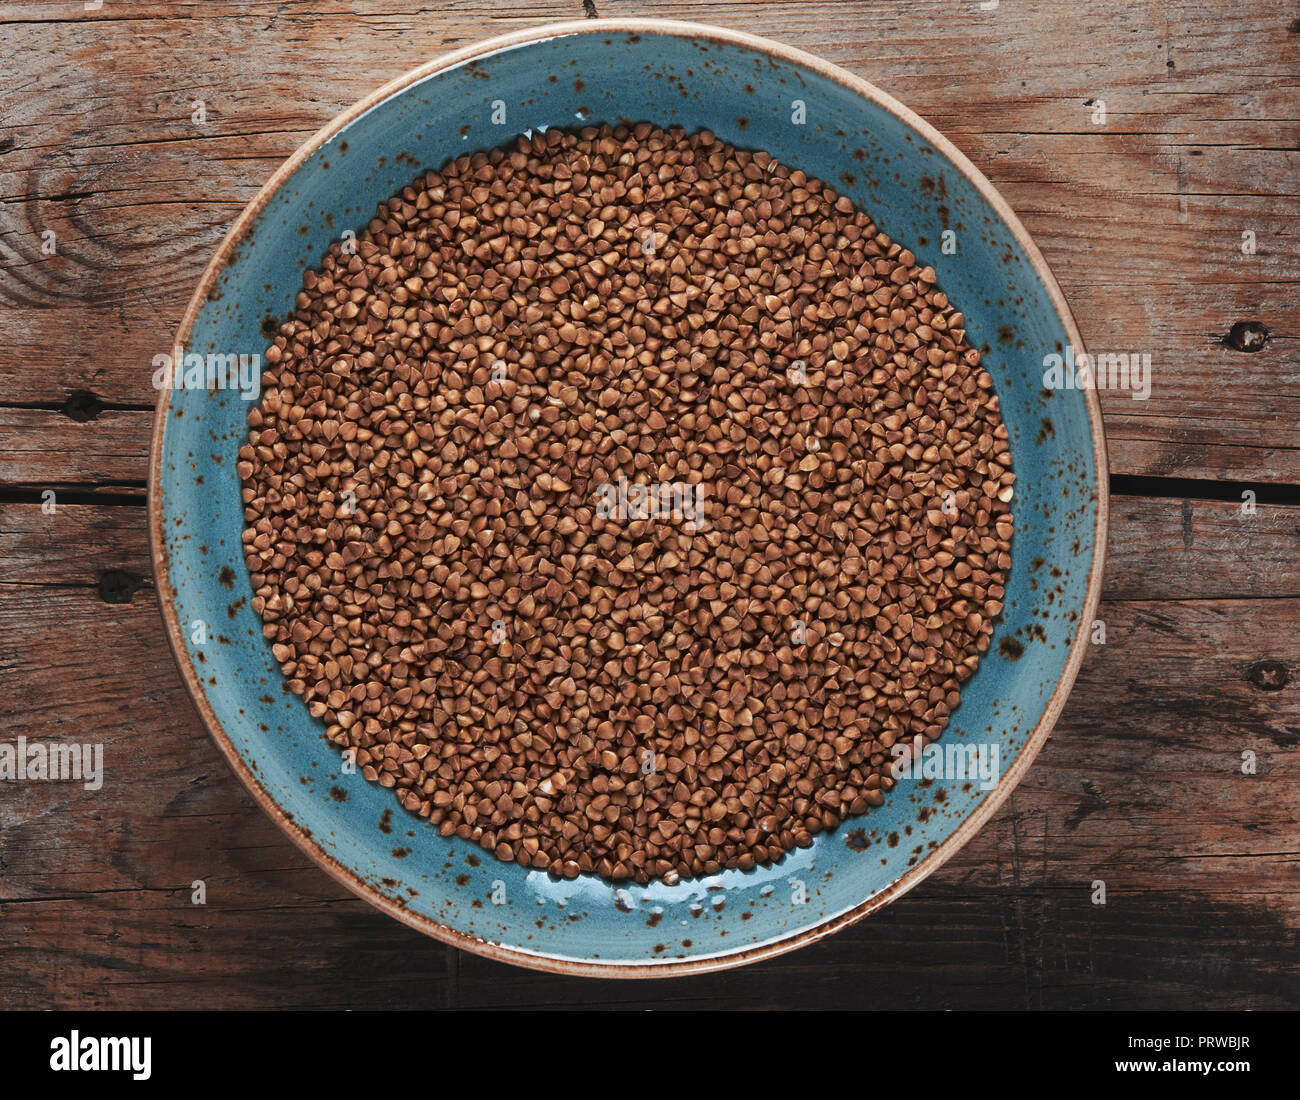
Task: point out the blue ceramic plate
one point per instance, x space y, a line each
752 93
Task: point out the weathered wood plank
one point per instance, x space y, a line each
43 448
1141 216
75 545
1178 549
1140 786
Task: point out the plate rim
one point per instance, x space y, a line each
560 964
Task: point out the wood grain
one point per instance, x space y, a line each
1141 218
1141 784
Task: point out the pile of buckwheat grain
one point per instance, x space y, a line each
586 689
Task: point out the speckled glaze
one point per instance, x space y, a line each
915 185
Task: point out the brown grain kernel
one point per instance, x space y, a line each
628 697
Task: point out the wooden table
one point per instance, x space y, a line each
1142 218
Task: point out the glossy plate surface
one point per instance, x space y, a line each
916 186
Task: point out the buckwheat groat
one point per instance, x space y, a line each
623 500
